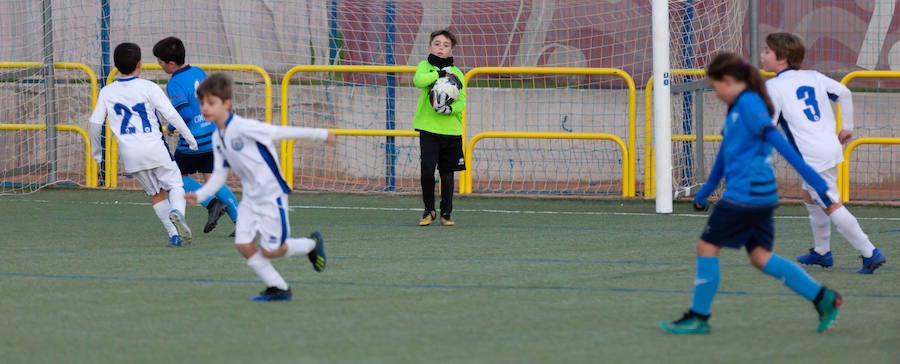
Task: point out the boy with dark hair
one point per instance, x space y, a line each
132 105
182 91
440 126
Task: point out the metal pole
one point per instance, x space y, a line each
754 32
49 91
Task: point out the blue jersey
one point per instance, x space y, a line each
182 90
746 154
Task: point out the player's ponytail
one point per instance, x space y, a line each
730 64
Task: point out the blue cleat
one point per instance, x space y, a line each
869 265
828 304
177 218
175 241
273 294
814 258
691 323
317 255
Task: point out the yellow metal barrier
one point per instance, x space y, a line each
90 167
626 183
649 169
466 177
844 167
92 78
287 146
112 150
843 177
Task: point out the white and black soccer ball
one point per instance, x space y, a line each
444 91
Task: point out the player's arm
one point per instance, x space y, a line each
712 182
793 157
265 131
98 117
425 75
161 103
459 104
838 92
216 179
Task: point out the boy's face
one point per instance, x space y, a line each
768 61
441 46
215 109
168 67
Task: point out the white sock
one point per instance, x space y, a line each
176 199
297 246
821 228
162 209
848 227
264 269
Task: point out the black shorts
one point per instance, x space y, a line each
732 225
194 163
445 149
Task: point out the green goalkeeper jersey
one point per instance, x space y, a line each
426 118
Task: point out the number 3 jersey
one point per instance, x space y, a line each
802 106
132 105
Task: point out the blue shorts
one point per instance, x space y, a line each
732 225
194 163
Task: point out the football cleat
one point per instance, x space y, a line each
317 255
175 241
828 303
691 323
813 258
216 209
177 218
427 218
447 221
273 294
870 264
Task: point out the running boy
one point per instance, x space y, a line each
439 126
744 217
247 147
132 104
800 99
182 90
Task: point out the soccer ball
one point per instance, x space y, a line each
444 91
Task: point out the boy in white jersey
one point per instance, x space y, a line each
247 147
801 100
132 104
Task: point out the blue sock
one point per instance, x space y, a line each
225 195
793 276
706 284
191 185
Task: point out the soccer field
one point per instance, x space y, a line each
87 280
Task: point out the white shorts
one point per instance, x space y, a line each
165 177
266 219
830 177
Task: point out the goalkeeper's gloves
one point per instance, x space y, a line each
445 109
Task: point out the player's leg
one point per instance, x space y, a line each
429 149
447 187
246 230
160 203
706 284
227 197
820 253
169 177
202 163
847 224
450 160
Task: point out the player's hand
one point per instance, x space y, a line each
446 110
845 135
701 205
330 138
190 198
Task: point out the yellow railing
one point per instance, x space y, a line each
465 176
843 178
112 152
627 184
90 167
287 147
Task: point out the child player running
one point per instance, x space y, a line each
800 99
744 217
132 105
247 147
